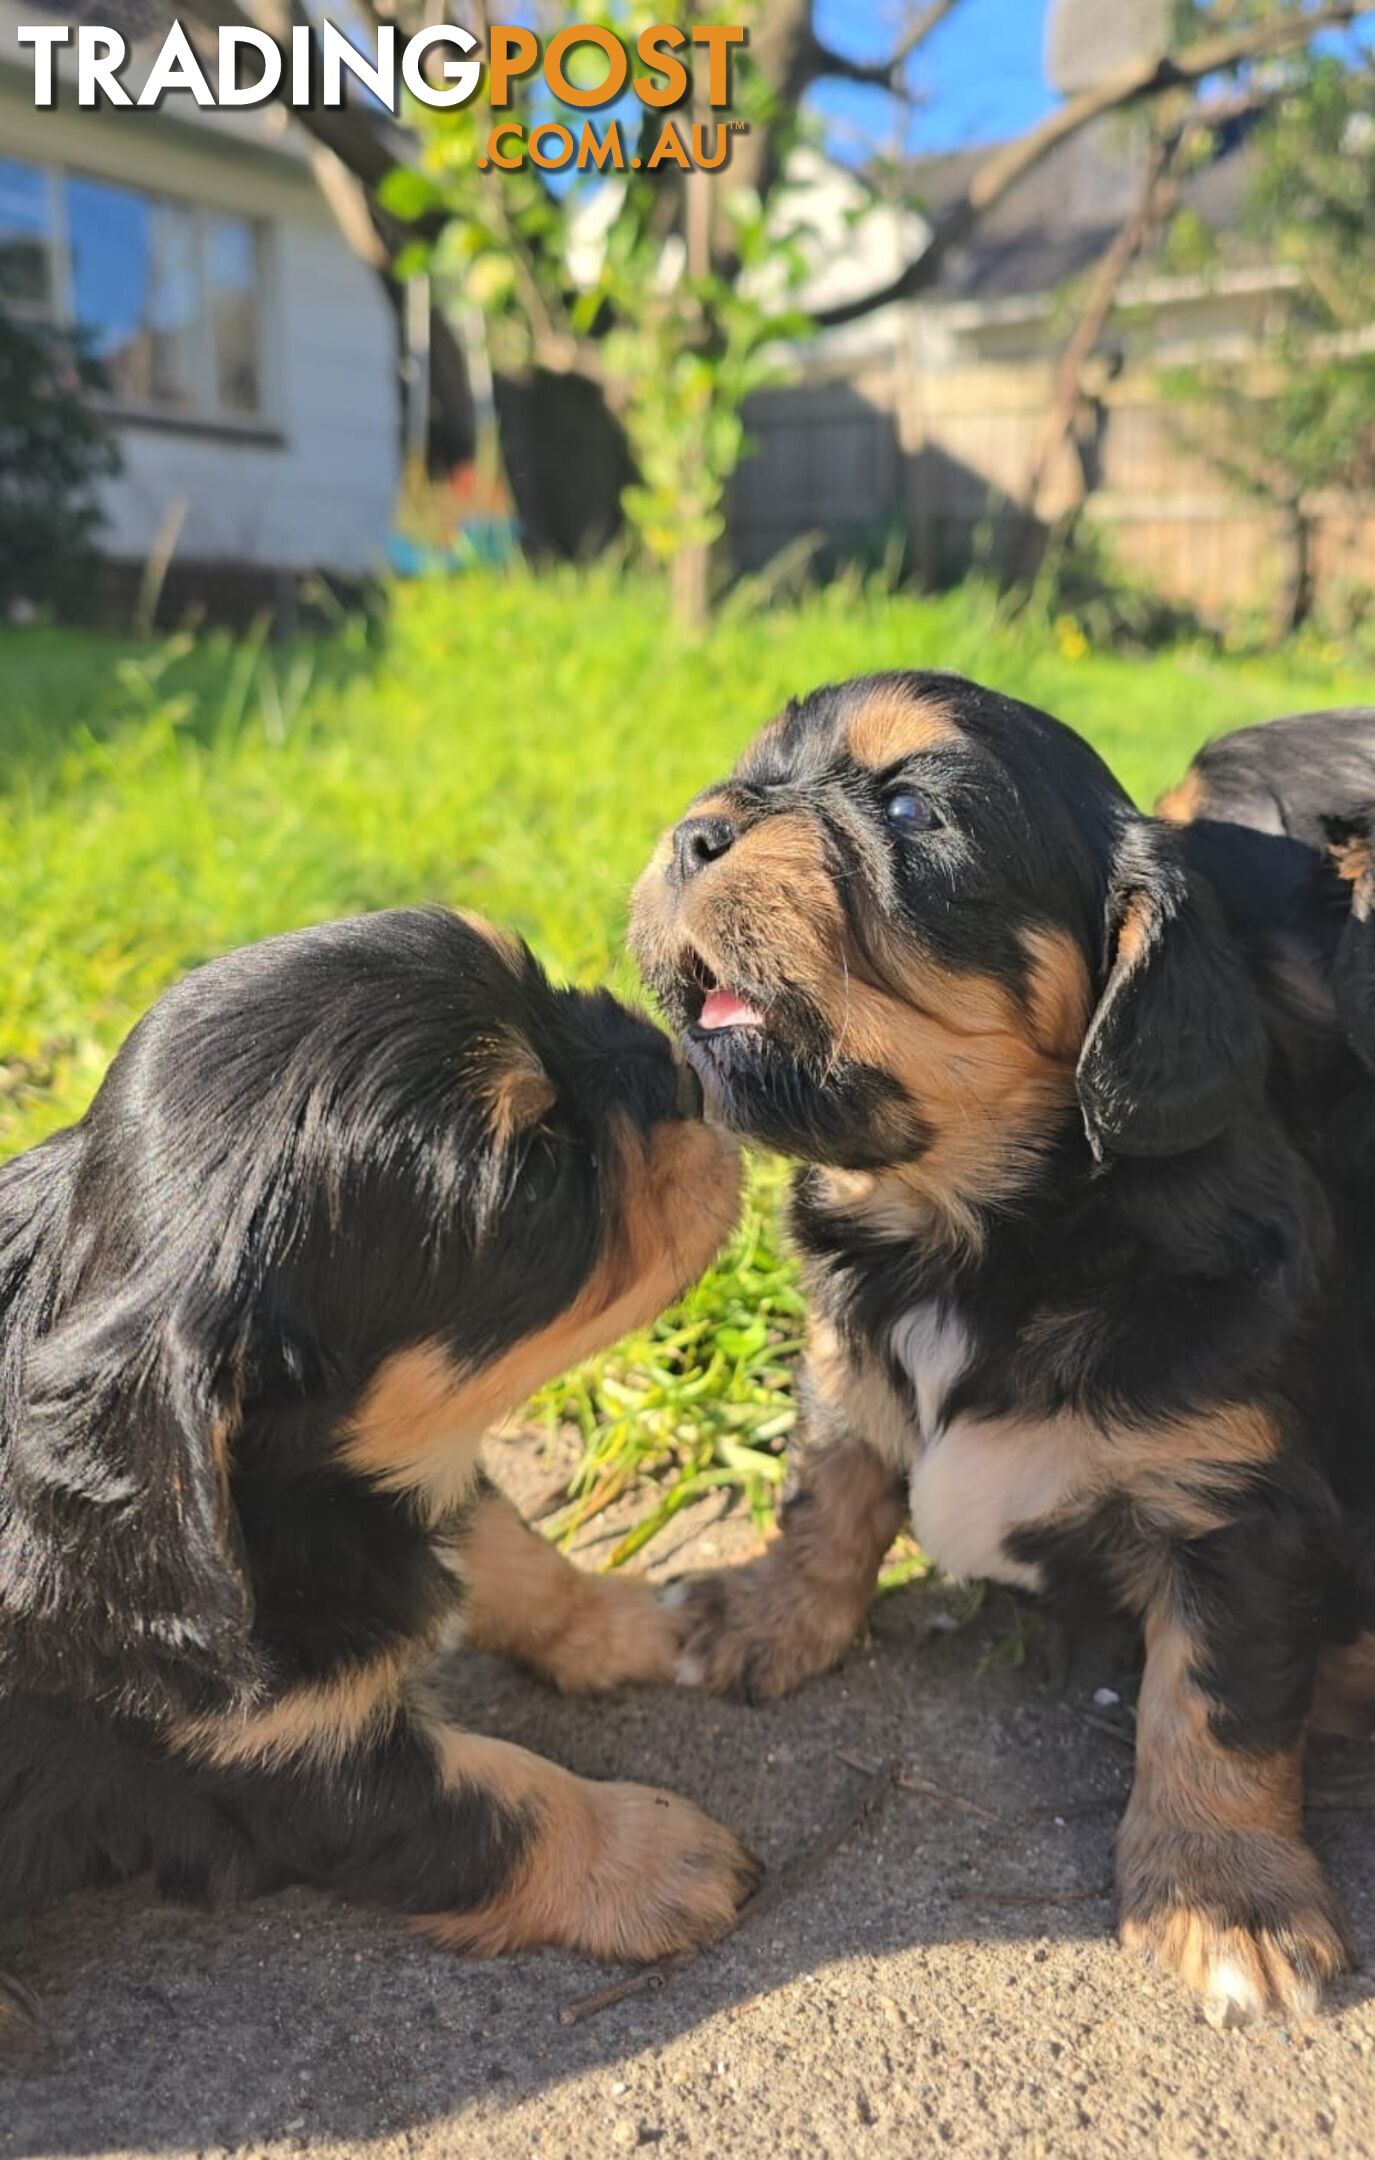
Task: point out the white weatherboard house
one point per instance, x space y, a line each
252 356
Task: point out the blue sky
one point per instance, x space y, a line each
980 74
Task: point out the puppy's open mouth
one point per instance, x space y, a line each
719 1007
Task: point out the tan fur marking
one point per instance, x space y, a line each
717 805
1060 994
617 1871
989 1099
1183 1774
1183 1467
988 1096
888 727
422 1419
1209 1835
1134 933
523 1599
321 1722
1351 858
783 861
989 1079
421 1422
989 1075
1186 801
519 1093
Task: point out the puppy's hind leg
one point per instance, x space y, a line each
524 1600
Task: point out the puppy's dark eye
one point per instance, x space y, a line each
909 812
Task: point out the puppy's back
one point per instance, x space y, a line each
1280 817
1289 777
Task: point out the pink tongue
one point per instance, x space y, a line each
724 1009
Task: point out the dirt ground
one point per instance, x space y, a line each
940 1982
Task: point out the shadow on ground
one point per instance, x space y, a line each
920 1985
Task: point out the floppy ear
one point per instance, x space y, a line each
130 1574
518 1090
1351 845
1176 1046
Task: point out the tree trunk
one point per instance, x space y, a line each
1294 600
566 463
690 586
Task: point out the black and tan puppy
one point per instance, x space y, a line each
1088 1227
342 1201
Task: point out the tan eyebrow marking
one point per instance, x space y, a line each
888 726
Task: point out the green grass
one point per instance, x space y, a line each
513 745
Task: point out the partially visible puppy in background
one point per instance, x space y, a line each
344 1199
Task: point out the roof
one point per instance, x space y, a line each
269 130
1058 222
133 19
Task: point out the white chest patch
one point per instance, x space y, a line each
932 1347
975 1481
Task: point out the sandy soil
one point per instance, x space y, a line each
940 1982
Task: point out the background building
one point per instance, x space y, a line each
252 356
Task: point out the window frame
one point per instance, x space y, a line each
205 415
50 310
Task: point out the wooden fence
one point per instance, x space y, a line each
942 461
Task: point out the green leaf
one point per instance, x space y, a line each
409 194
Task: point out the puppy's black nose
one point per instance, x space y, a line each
698 841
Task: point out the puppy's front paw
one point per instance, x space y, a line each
1250 1924
617 1635
754 1630
616 1871
667 1876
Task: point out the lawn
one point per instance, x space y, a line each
513 745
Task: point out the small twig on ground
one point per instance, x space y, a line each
646 1982
790 1877
926 1788
1104 1725
907 1782
1031 1897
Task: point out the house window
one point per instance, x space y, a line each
25 237
170 294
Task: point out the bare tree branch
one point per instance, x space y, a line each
354 136
882 74
1152 204
1128 85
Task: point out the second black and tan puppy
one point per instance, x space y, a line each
342 1201
1089 1233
